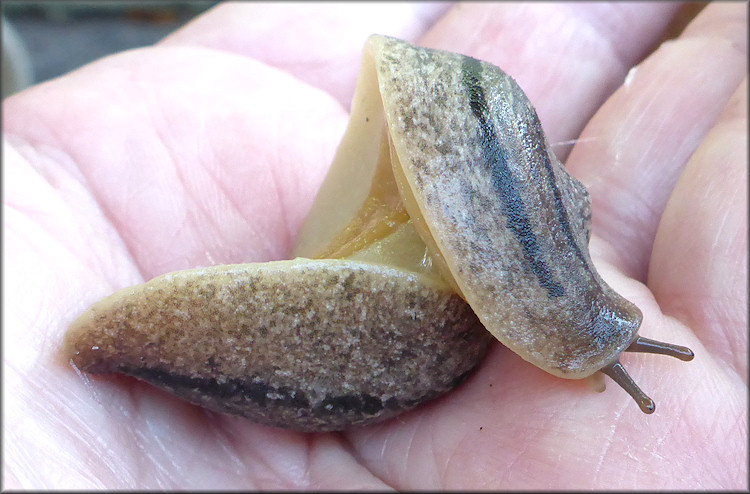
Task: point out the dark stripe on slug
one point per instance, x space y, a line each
495 159
234 392
227 390
562 214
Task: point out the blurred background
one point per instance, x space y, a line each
42 39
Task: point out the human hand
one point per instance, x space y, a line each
203 150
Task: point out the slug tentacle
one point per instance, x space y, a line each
646 345
617 372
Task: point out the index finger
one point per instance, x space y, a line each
320 44
567 58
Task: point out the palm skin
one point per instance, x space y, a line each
209 147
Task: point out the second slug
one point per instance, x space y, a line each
445 212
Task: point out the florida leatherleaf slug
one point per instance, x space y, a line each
444 189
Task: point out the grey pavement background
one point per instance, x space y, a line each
42 39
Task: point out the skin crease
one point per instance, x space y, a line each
177 156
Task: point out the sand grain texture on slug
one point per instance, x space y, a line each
311 345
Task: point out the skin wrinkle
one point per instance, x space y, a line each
686 397
712 430
607 444
679 310
319 445
267 467
656 440
141 439
274 179
125 233
401 476
227 441
721 224
27 150
310 446
287 241
443 467
112 464
357 452
234 206
56 422
260 462
356 455
36 151
113 219
314 451
165 474
518 454
727 437
402 480
38 317
161 475
548 427
438 466
620 224
221 191
280 475
603 27
444 471
180 178
44 315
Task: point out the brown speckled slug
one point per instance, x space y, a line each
444 191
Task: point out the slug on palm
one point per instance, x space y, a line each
444 207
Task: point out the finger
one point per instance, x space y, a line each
633 151
568 58
698 270
319 44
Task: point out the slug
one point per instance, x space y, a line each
445 219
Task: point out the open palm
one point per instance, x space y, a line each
209 147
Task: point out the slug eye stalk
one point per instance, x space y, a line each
617 372
647 345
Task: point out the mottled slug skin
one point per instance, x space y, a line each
310 345
511 223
